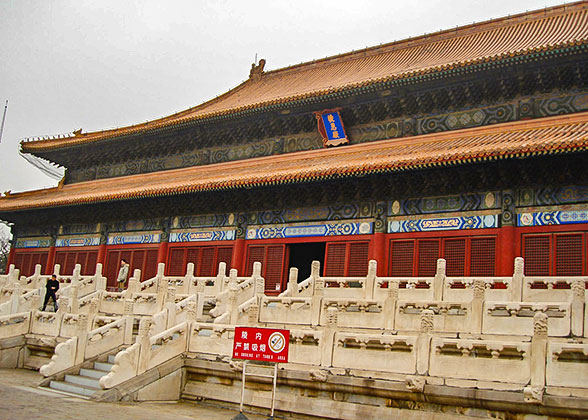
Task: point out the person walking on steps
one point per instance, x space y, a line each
52 288
123 272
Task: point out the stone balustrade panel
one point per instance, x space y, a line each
103 339
15 324
168 344
516 318
550 289
211 339
46 323
567 364
144 303
112 303
305 346
286 310
355 313
382 352
410 288
481 360
448 317
69 325
460 289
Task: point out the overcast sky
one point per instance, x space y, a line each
100 64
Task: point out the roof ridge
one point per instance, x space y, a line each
468 29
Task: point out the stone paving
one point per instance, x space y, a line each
21 399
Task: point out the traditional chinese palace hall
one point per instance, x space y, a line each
467 144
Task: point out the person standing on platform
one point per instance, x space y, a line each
123 273
52 288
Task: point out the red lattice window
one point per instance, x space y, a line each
483 257
255 254
335 259
568 255
401 258
26 262
358 259
271 258
346 259
428 253
150 267
225 254
536 252
273 268
464 256
207 262
142 259
176 262
455 257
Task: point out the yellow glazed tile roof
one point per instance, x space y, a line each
551 135
539 31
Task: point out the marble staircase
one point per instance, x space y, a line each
86 382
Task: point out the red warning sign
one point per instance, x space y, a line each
265 344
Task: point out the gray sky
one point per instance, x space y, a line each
99 64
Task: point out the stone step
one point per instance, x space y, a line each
103 366
72 388
93 373
111 358
83 380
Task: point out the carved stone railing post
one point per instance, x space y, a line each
57 270
423 342
219 282
100 279
162 285
259 282
329 330
370 280
191 312
82 334
62 305
128 308
134 283
36 281
13 275
145 344
93 308
189 280
390 305
15 298
253 314
75 278
317 293
534 392
292 289
232 302
577 307
518 279
74 303
439 280
477 306
170 306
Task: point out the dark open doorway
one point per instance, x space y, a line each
302 256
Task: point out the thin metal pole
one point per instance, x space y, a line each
242 387
3 120
274 388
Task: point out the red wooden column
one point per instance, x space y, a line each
162 252
50 260
238 256
506 251
378 251
10 258
507 237
102 256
